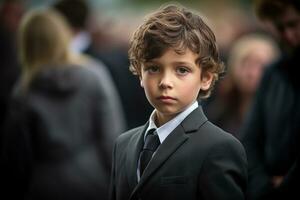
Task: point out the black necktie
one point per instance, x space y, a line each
150 146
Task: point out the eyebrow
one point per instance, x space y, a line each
182 63
174 63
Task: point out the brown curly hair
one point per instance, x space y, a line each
173 26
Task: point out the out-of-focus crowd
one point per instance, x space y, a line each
66 94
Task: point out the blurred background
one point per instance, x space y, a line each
114 20
109 26
100 32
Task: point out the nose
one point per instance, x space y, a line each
166 81
290 37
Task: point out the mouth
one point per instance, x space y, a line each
166 99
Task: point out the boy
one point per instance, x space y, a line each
174 54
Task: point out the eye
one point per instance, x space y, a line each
152 69
182 70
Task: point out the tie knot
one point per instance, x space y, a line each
150 146
152 141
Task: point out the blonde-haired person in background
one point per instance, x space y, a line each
248 58
62 120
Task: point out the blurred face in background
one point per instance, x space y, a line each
249 59
287 27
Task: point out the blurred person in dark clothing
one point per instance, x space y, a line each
11 12
133 99
78 13
271 133
247 59
61 121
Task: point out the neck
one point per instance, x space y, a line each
244 104
161 119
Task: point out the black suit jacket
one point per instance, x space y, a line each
271 133
196 161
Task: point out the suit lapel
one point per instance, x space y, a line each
165 150
194 120
135 145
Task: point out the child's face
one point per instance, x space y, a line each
172 82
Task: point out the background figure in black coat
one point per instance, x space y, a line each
11 12
271 132
62 120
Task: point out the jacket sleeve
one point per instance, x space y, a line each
109 117
16 150
289 188
252 137
112 187
224 173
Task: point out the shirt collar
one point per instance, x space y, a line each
80 42
168 127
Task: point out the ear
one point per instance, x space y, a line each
206 79
141 82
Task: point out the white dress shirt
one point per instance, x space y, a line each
168 127
80 42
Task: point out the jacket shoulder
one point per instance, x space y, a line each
124 137
218 137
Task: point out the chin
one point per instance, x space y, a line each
167 111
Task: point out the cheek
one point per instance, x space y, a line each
191 90
148 85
